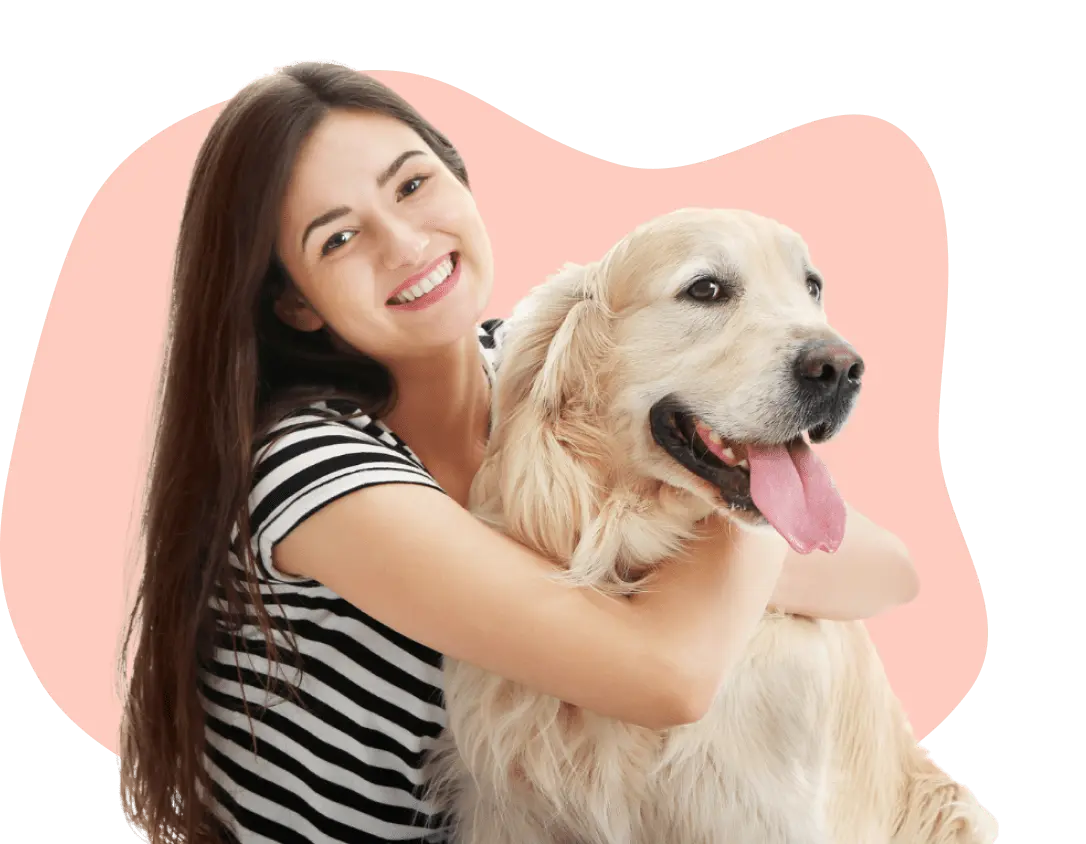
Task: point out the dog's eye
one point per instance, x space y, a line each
707 289
814 287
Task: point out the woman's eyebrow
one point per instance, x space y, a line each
323 220
382 180
390 171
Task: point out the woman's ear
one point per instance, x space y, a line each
292 308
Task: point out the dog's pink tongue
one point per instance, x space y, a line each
795 493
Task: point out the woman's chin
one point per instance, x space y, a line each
443 320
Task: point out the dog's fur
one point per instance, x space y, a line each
805 743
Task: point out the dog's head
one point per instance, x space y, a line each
699 353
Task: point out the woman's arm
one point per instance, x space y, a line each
712 612
417 561
870 572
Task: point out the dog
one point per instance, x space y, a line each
675 377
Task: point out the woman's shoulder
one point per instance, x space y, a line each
319 429
329 435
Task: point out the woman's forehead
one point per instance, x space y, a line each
342 160
349 145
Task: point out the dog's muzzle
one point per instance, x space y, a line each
827 378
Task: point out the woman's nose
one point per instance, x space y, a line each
404 244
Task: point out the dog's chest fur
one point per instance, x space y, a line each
752 770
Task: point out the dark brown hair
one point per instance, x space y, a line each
231 367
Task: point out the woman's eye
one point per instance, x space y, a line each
706 290
335 241
814 287
411 185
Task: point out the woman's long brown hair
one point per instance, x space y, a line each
231 366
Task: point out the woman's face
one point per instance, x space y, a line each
384 244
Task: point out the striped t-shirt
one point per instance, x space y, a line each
341 760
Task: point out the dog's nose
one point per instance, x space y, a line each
825 368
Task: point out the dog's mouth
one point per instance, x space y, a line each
699 449
783 484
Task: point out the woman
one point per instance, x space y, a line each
309 557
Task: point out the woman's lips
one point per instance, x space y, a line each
419 276
435 295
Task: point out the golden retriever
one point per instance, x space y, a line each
675 376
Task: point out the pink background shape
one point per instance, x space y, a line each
856 188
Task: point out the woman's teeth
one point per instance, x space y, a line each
437 277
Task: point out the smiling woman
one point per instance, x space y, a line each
284 328
308 555
394 207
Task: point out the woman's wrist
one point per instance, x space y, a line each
871 573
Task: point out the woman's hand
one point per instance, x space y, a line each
870 573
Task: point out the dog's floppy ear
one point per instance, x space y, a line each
546 429
562 337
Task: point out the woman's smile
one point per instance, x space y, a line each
427 287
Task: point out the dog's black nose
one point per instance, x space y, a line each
825 369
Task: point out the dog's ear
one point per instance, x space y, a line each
547 418
561 337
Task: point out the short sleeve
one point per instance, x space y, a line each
312 462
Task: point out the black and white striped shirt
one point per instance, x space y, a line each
345 765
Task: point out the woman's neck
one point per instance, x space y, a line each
442 406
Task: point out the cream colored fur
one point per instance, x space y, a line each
806 743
